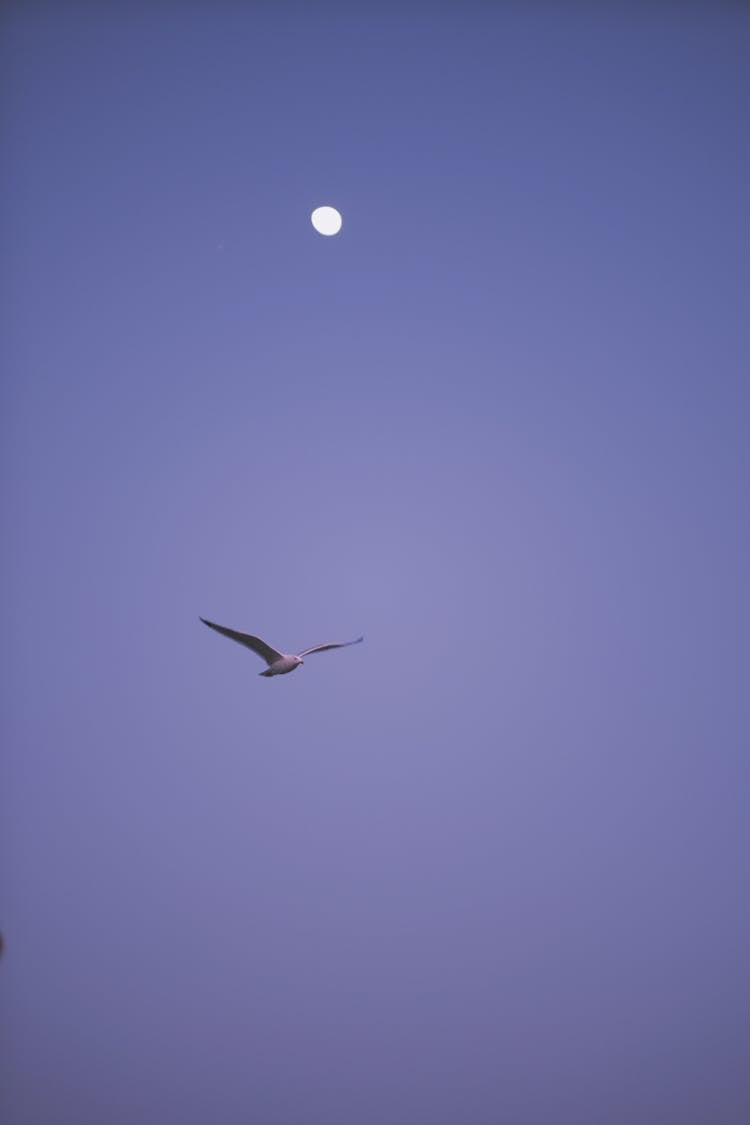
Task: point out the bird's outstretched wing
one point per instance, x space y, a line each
270 655
323 648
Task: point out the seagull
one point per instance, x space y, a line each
278 662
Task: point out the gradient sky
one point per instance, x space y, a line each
492 865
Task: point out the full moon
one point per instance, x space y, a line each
326 220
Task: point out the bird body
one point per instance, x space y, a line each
283 665
279 663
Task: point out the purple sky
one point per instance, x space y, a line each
492 865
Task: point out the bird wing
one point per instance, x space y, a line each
323 648
270 655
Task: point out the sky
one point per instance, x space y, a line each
492 864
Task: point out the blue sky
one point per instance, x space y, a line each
492 864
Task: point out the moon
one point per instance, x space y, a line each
326 220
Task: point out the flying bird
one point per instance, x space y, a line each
278 662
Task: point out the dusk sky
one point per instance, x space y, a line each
492 865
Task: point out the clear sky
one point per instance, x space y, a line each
491 865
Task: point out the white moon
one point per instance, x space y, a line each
326 220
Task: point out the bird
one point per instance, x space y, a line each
279 663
